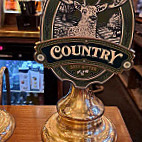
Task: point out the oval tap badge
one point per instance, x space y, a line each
86 41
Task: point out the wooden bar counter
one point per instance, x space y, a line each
30 120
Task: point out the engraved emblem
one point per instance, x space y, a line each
86 41
87 24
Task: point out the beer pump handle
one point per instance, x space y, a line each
3 71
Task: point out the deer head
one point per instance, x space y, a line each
89 13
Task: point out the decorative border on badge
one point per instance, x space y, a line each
90 51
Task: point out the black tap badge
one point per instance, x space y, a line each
86 41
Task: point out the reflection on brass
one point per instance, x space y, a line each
79 119
7 122
7 125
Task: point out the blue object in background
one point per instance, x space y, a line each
18 96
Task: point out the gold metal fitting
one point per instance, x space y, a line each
79 119
7 122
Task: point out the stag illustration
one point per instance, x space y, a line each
88 22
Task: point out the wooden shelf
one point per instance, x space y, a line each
136 94
138 34
138 19
12 11
18 91
138 68
138 39
12 31
124 79
11 34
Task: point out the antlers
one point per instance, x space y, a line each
116 3
72 1
67 1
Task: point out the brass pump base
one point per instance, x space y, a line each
79 119
55 130
7 125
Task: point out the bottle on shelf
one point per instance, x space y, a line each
34 77
11 5
15 75
32 99
9 65
35 99
38 6
41 78
24 77
41 98
29 100
12 99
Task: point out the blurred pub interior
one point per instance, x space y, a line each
20 29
